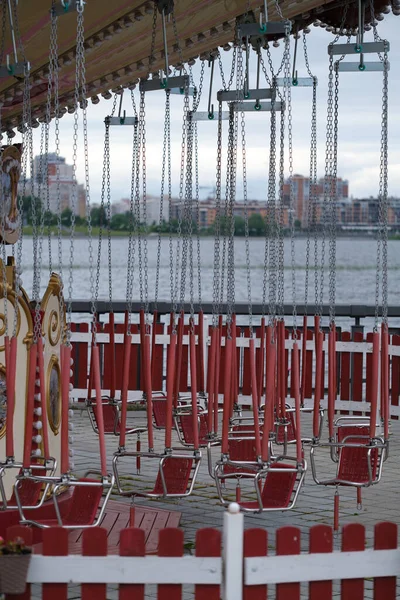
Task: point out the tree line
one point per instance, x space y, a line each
124 222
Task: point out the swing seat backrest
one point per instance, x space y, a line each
186 422
177 473
353 462
84 504
110 414
29 491
243 450
290 428
278 488
160 412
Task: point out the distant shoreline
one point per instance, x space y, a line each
81 233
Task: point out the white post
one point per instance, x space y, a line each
232 585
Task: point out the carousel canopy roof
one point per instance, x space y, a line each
118 41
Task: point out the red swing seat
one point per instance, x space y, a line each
29 491
277 490
176 474
159 412
186 424
353 462
83 507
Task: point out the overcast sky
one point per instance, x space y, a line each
359 138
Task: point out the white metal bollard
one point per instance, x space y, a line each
232 588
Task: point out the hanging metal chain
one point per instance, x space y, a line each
198 214
167 119
333 202
232 161
293 207
217 222
246 223
22 194
280 224
227 86
131 239
270 249
80 98
142 118
382 241
189 213
312 193
138 227
328 186
180 267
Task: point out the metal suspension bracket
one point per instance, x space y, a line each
64 7
360 48
174 85
271 28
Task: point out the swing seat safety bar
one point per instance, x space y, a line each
33 496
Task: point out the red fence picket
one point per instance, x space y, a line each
288 543
353 539
55 543
170 543
321 540
208 543
94 543
255 543
132 543
79 355
395 387
385 539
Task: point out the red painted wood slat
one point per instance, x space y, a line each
26 534
132 543
208 543
183 381
385 539
368 374
353 539
308 391
395 387
246 371
170 544
94 543
357 378
55 543
160 522
255 543
158 361
344 361
288 543
79 355
321 540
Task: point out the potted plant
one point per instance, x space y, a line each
14 563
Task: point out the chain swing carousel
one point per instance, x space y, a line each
36 481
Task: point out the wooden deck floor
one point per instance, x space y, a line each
117 517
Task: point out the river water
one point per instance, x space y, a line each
355 276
